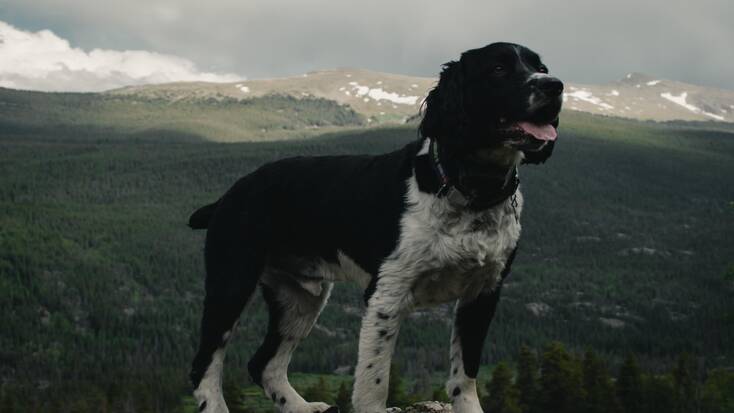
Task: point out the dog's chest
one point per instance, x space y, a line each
445 253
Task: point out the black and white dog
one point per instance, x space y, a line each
435 221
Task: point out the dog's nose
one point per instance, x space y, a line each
551 86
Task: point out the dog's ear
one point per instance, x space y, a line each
541 156
443 109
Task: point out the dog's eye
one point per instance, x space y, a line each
499 69
543 69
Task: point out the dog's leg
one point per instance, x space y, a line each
386 308
471 323
217 325
233 264
293 312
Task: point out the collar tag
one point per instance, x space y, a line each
455 197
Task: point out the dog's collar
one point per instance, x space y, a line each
461 193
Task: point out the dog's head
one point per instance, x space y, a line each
496 102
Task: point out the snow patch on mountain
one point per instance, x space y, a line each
681 100
380 94
587 96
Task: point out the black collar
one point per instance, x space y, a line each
477 189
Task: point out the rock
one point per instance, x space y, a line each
355 311
538 309
588 238
44 315
341 370
643 251
612 322
429 407
324 330
677 316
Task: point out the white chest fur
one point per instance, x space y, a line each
446 252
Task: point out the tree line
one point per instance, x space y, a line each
555 380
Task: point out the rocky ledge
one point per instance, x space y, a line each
423 407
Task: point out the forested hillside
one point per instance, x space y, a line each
92 116
626 248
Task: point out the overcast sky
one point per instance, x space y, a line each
98 44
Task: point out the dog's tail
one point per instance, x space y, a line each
201 217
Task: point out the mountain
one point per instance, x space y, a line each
312 104
640 96
380 97
74 116
390 98
626 237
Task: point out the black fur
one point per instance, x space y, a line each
267 349
200 218
233 260
472 323
464 111
291 213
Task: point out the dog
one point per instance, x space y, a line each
436 221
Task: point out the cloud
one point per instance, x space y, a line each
587 41
45 61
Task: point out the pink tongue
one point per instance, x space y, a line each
542 132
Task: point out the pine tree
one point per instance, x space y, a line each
527 380
423 386
684 382
560 382
598 388
439 395
718 392
319 392
343 398
233 396
501 397
659 394
729 277
396 396
8 402
629 386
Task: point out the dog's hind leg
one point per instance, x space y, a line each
234 263
293 312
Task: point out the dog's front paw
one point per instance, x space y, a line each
466 405
319 407
213 406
